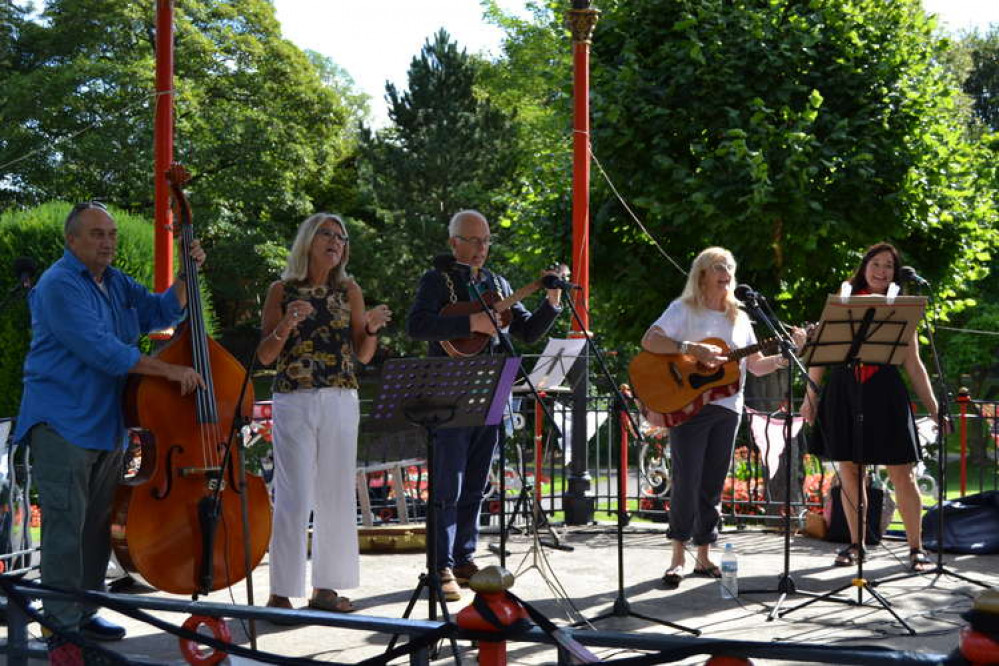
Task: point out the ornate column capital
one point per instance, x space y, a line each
582 22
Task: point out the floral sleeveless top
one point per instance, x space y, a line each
319 353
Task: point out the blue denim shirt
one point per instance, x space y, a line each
83 344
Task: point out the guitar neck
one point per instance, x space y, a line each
519 295
742 352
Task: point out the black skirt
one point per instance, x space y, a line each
889 433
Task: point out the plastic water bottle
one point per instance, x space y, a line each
729 573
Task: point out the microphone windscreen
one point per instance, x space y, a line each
744 292
907 273
25 266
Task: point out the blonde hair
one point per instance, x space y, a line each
297 268
694 295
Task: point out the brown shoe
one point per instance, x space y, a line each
449 586
464 572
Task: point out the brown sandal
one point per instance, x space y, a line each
331 602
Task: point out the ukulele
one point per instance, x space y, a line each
500 307
678 385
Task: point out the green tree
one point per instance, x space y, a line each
448 148
534 80
794 134
268 131
982 82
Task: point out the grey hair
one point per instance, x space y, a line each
693 293
72 224
456 219
297 268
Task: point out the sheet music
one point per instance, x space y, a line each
554 362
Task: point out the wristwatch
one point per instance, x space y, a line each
684 347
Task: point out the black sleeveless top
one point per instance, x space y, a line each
320 352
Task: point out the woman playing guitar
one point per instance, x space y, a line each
701 446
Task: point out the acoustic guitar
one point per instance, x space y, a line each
678 385
500 307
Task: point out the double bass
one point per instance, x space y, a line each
178 523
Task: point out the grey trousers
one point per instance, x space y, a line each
75 489
700 451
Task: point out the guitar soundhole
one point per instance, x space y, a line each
697 381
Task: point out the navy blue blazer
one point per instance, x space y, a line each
426 323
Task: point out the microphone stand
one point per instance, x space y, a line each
511 351
943 416
785 583
621 606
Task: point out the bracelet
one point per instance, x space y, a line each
368 332
684 347
275 335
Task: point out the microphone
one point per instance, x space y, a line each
909 274
25 269
746 294
555 282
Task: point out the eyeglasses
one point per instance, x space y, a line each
332 235
723 267
475 240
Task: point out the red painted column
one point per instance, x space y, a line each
582 21
163 147
539 424
578 500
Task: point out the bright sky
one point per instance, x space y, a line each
375 40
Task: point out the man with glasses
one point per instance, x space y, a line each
86 319
462 455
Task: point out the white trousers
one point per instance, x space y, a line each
315 456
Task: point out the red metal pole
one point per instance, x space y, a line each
163 148
582 20
539 422
962 399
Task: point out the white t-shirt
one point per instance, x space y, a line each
682 322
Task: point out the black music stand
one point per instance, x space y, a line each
436 393
855 331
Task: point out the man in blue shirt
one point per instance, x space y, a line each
86 319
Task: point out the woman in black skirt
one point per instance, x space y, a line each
889 429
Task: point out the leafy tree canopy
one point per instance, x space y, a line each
268 131
794 134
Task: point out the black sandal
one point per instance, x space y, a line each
671 579
919 561
849 556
